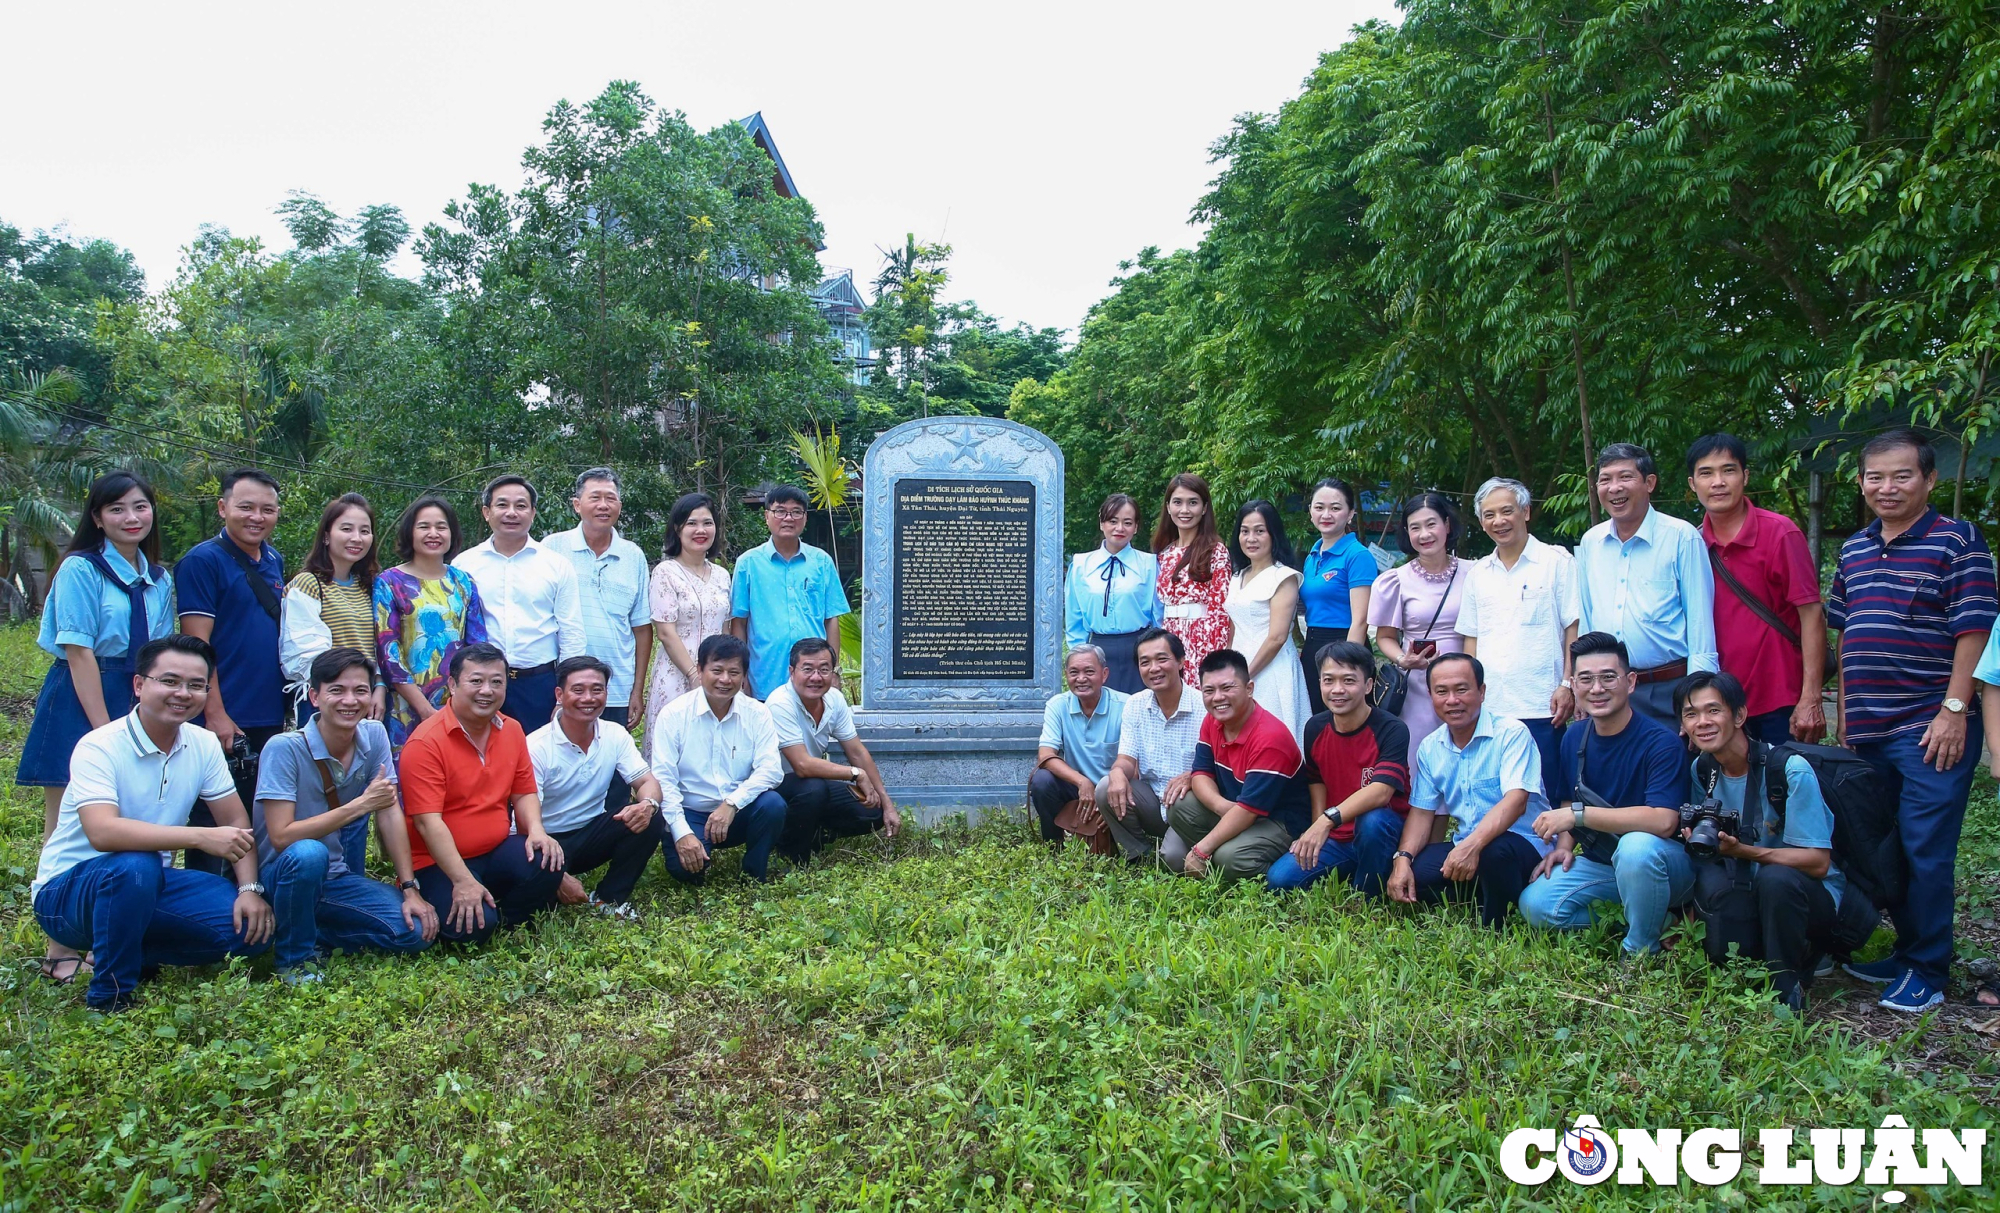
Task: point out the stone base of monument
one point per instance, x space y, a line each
947 764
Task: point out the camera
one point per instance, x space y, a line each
1705 822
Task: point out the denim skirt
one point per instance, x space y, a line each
60 723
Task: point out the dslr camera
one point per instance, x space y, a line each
1704 822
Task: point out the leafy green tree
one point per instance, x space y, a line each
905 319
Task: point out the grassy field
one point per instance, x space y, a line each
956 1021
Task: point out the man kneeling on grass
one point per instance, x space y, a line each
1485 773
1248 801
100 885
824 799
465 773
313 786
715 754
1623 780
576 756
1357 758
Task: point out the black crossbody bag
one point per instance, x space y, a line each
1392 682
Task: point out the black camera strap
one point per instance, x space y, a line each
1594 845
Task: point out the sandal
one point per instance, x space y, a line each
1986 994
52 968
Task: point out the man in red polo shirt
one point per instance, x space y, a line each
1780 660
466 776
1246 803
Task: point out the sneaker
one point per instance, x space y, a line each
1911 993
1793 997
620 911
1880 972
304 975
1823 967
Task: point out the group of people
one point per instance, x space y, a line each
1537 718
469 707
1523 734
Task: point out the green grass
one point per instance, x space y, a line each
960 1021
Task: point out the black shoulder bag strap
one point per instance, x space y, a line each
1750 600
1592 843
266 596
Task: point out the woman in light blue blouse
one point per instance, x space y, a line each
1112 596
110 595
1338 571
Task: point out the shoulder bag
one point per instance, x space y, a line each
1392 682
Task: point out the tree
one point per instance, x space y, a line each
905 312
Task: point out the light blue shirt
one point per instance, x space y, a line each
1654 591
785 602
1134 603
1088 743
612 590
87 611
1467 783
1808 822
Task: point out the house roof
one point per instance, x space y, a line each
760 134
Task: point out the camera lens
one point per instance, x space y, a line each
1702 838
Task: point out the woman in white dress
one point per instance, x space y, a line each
690 599
1263 598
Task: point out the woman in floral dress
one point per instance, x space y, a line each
690 596
1194 570
425 610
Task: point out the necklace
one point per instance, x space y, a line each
1439 578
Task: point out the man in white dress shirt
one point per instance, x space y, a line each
715 754
533 611
576 756
1518 616
823 798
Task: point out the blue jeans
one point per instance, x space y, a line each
1648 875
321 913
1363 862
1772 728
137 914
1930 810
755 828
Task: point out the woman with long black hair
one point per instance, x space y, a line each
109 596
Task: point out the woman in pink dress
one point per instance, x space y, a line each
690 598
1194 570
1414 606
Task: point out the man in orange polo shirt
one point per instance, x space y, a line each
462 771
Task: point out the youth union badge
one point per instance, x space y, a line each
1587 1154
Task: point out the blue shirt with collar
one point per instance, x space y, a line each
245 638
785 601
1133 604
1466 783
1329 573
1088 743
612 590
1654 591
85 610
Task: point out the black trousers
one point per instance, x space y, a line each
246 790
1780 916
521 888
818 811
1048 794
1504 868
620 793
604 842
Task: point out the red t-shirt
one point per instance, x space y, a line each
442 772
1259 770
1344 763
1769 556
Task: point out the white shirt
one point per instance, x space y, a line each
701 761
796 726
1163 746
1518 615
532 609
119 765
572 780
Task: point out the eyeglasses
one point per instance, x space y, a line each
789 515
1598 680
173 686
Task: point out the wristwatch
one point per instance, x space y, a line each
252 887
409 886
1955 706
1333 815
854 774
1409 855
1564 684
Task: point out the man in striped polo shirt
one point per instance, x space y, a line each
1913 599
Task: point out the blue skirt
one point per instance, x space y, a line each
60 723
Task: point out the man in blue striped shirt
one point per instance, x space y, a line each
1913 599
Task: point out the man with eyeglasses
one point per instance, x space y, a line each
611 588
1622 777
101 885
784 591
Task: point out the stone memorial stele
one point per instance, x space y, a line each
961 609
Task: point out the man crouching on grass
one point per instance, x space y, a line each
1248 802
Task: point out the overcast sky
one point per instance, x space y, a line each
1044 141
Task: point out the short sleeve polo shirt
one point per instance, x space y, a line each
210 582
443 772
1344 763
1258 770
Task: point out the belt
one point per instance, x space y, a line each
547 667
1187 610
1673 671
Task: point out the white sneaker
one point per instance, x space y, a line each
619 911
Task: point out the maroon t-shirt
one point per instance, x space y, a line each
1377 752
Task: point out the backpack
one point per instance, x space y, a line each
1866 845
